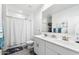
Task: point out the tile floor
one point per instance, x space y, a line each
22 52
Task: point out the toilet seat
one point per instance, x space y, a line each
30 42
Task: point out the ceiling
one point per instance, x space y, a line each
24 8
56 8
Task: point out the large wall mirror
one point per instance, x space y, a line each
53 21
62 18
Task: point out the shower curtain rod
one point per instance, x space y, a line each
16 17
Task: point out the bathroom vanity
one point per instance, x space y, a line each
54 46
61 23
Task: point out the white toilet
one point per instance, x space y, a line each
30 44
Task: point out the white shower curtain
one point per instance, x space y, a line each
18 32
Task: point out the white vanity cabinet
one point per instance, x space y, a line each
45 47
39 46
60 50
50 50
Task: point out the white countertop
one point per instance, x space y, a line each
71 45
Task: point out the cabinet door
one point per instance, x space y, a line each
50 51
36 47
66 51
41 47
60 50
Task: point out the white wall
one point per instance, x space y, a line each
31 26
0 17
37 22
70 15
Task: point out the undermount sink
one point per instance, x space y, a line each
45 35
52 36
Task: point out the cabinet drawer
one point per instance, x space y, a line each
61 50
